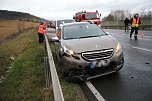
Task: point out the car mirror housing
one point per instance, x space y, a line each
55 39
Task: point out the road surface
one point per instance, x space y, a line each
134 81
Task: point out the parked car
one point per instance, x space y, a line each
85 51
51 25
58 22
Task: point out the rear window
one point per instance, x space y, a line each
64 21
82 31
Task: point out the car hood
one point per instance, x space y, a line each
91 44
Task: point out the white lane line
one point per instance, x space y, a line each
94 91
142 49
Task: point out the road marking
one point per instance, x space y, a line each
94 91
148 50
142 49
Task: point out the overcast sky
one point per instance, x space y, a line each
59 9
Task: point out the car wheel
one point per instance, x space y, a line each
117 70
63 73
58 57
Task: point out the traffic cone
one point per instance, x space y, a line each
142 34
121 33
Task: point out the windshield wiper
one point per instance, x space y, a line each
83 37
89 36
70 38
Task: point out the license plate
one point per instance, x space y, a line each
100 63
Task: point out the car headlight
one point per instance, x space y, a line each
118 48
70 53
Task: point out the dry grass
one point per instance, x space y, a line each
8 28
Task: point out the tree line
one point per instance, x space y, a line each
116 15
13 15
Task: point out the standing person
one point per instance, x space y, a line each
41 31
126 22
135 24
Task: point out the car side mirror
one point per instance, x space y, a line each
55 39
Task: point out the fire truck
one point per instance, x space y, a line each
83 16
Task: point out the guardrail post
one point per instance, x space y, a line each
47 72
45 48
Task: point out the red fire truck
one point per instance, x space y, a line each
87 16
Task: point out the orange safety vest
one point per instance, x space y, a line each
41 28
135 23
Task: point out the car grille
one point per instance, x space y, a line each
96 55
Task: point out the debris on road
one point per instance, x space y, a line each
12 58
146 62
1 79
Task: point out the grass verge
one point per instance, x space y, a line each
25 81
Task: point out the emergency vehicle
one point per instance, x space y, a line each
87 16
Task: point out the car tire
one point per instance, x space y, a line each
58 57
63 73
117 70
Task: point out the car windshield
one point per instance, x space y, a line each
91 16
82 31
64 21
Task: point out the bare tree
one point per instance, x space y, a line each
142 12
108 18
149 14
118 14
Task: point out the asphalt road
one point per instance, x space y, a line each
134 81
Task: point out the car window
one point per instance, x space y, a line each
82 31
92 16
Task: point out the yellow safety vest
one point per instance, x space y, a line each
135 23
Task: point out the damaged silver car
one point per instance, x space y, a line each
85 51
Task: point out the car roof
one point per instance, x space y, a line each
75 23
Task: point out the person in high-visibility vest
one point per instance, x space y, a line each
135 24
41 32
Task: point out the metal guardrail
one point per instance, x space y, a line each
58 95
142 27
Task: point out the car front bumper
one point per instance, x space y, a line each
89 69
